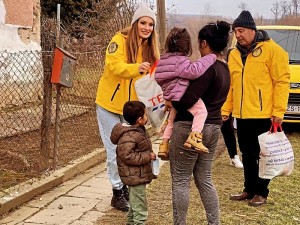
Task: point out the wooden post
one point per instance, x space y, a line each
161 23
47 106
58 100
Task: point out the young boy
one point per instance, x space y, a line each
134 155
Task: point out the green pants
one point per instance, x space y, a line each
138 211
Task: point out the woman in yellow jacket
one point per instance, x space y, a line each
129 55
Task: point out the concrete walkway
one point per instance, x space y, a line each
78 201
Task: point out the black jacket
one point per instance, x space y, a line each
212 87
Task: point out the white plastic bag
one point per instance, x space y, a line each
276 154
150 93
162 126
155 166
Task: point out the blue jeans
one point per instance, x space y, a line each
184 164
106 121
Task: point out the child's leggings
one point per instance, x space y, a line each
198 110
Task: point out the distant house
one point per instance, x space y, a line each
19 25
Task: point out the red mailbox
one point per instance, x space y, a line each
63 68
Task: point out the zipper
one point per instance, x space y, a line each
117 88
260 99
129 90
242 92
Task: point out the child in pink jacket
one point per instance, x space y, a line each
173 73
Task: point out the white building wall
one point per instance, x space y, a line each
10 40
21 69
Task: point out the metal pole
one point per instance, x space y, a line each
58 26
161 23
58 100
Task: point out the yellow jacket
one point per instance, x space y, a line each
260 88
116 85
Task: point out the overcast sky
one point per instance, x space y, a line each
227 8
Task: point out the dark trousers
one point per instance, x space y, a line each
229 138
247 132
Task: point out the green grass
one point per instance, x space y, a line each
282 208
8 179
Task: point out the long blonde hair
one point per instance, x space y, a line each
149 46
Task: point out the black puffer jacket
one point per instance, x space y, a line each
133 154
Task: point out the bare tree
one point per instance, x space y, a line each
276 10
295 5
284 8
208 9
243 6
258 18
290 8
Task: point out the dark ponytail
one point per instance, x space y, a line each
216 35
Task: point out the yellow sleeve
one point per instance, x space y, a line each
116 59
228 104
280 73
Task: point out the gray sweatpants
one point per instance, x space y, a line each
184 164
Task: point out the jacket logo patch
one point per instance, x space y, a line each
112 47
257 52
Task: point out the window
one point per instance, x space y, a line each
289 40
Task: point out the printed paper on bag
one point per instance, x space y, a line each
276 155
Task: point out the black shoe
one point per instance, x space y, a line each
257 200
241 196
118 201
125 192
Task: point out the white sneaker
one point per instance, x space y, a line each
236 162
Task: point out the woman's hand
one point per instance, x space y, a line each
144 67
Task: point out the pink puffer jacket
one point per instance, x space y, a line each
175 70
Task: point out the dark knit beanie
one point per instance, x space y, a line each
245 19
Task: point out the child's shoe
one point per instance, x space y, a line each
163 152
194 141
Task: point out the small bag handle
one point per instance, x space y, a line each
153 68
274 127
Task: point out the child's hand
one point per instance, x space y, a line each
153 155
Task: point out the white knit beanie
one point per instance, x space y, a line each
143 10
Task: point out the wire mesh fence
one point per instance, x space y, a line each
28 110
21 87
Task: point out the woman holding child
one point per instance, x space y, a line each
212 87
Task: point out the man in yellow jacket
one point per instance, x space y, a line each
257 97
